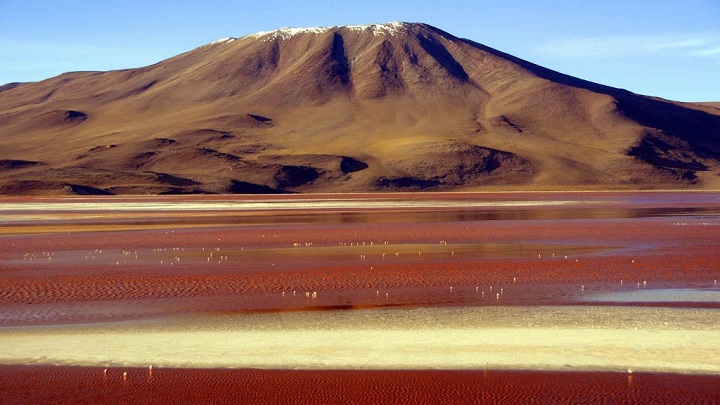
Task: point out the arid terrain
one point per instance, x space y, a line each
385 107
376 297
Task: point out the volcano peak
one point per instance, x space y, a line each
377 107
390 28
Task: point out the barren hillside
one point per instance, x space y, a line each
386 107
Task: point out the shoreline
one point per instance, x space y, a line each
486 190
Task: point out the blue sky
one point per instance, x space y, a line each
663 48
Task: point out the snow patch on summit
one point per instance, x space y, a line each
376 29
286 33
223 41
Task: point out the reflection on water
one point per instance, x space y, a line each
79 220
377 209
254 205
359 217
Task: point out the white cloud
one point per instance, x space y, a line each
698 45
707 52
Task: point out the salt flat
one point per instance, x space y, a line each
546 338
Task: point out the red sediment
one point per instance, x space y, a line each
65 384
633 250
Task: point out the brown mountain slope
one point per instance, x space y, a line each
382 107
714 105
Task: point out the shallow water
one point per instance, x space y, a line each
92 385
679 295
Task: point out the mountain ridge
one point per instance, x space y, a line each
280 111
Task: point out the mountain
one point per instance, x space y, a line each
387 107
